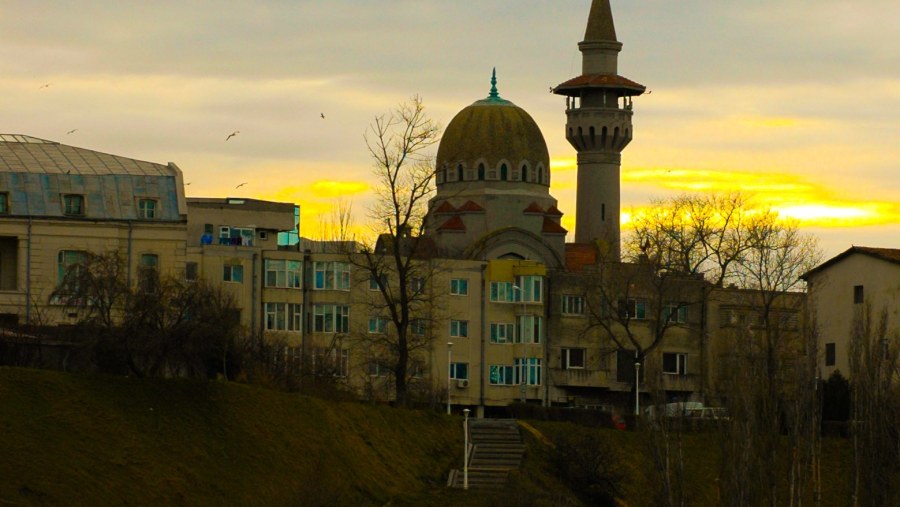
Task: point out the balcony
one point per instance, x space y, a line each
680 382
579 378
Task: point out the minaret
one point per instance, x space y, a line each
598 126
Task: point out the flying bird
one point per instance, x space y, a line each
241 185
71 131
46 85
236 132
322 115
188 183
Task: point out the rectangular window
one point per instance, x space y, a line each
283 273
148 271
524 371
418 326
633 309
858 294
233 273
530 288
625 366
224 233
459 328
284 317
572 305
502 375
69 260
674 363
331 318
190 271
73 205
530 329
502 332
147 208
459 371
333 361
4 203
675 312
830 354
331 275
377 324
459 287
377 282
573 359
502 292
416 285
378 369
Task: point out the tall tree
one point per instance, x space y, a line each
399 264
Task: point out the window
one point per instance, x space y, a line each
332 275
572 305
377 324
148 271
625 366
190 271
573 359
459 328
524 371
530 288
830 354
331 361
69 260
530 329
418 326
858 294
233 273
502 333
283 273
502 292
459 287
331 318
378 369
147 208
377 282
459 371
73 205
674 363
284 317
238 236
416 285
675 312
4 203
633 309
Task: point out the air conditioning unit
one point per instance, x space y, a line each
462 383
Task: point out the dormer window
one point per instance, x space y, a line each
147 208
73 205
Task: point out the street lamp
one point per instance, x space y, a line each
449 372
466 449
637 385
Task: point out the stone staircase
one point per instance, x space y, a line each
495 448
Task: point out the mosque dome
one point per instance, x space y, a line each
493 139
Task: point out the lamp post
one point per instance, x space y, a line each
637 385
449 372
466 449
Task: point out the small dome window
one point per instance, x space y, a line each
480 172
504 172
459 172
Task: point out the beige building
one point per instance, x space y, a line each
58 202
842 290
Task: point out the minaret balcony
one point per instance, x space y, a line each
599 128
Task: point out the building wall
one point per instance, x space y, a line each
833 308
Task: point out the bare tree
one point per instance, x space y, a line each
874 374
399 263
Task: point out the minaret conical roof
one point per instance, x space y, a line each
600 25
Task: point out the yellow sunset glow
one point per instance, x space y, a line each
332 189
790 195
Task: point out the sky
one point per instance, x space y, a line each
794 101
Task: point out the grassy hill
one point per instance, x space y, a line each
77 440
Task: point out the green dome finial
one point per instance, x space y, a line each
494 94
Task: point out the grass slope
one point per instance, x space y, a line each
71 440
